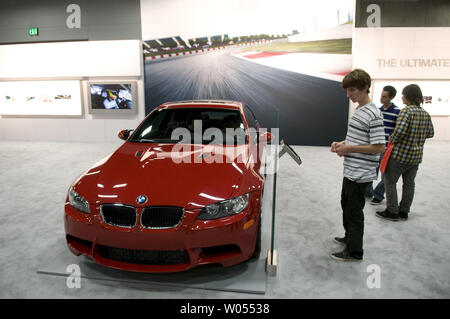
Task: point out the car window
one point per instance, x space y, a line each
191 125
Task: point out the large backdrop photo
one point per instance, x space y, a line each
289 55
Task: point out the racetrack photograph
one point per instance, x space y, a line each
251 65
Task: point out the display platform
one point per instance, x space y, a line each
248 277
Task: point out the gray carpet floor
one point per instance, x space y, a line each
412 258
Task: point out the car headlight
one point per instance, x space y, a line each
225 208
78 202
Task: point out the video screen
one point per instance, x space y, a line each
111 96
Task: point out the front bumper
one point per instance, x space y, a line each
226 241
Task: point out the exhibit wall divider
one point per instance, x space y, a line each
59 78
398 47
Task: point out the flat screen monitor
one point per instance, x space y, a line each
112 98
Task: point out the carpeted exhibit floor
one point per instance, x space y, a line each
402 259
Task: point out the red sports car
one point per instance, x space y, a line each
184 190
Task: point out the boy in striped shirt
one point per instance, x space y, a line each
361 148
390 113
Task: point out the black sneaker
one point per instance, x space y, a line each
403 216
375 201
388 215
345 256
341 240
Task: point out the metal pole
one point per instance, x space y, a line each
274 187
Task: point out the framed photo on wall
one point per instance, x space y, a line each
41 98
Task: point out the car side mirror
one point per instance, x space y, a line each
124 134
265 137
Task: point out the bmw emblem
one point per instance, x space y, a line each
141 199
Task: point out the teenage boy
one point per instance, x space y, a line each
390 114
361 148
413 127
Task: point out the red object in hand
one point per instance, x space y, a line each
385 159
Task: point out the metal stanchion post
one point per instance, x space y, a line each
271 265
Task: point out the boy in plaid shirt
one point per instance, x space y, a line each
413 127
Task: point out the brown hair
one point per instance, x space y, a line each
357 78
413 94
391 90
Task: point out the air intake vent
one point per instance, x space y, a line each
145 257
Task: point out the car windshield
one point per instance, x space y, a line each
192 126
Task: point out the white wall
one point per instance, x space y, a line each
411 54
84 61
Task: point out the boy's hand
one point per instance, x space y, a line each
337 145
341 149
333 147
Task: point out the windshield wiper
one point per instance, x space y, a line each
143 140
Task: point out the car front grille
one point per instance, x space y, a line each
119 215
161 217
145 257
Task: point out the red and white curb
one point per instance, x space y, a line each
257 54
184 53
198 51
327 66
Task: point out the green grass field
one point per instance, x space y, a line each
342 46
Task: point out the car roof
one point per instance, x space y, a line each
204 104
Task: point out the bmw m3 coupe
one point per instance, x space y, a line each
183 190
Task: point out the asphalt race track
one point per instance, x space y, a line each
313 111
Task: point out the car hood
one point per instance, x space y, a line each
163 173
